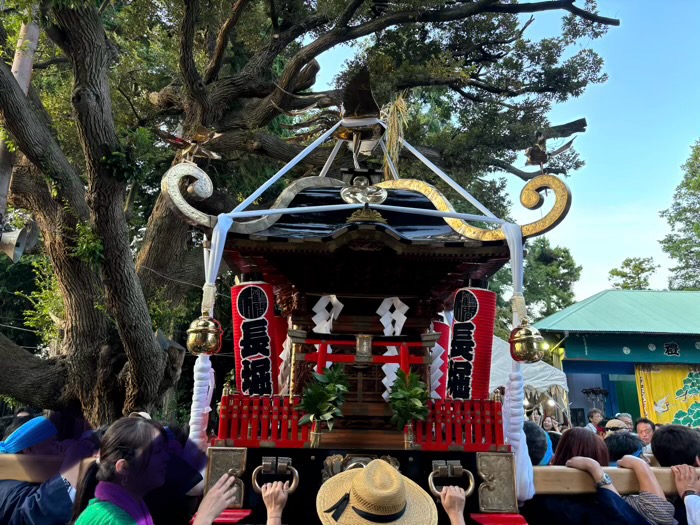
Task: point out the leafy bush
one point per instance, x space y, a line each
322 398
408 399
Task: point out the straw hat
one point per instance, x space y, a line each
614 426
377 493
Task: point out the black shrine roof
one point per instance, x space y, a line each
326 226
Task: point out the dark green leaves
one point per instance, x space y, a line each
324 396
408 399
683 243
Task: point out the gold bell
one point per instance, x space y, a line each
204 336
526 343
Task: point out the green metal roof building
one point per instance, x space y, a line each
605 335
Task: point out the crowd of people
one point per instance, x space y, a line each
142 475
616 442
146 474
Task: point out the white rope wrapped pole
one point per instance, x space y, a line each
513 407
201 401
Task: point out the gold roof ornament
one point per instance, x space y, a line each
366 214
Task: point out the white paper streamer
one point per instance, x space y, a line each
326 310
392 315
286 365
437 356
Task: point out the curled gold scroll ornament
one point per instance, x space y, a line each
530 197
201 188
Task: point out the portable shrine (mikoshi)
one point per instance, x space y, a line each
363 295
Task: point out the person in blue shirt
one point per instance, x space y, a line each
48 503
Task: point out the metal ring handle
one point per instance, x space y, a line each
435 492
257 488
355 464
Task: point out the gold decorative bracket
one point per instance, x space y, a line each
497 492
227 460
530 197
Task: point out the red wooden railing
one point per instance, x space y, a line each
259 421
470 426
262 421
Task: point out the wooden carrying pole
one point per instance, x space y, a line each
567 481
34 469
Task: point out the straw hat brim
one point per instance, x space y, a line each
420 507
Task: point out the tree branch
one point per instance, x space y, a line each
91 56
214 66
307 76
50 62
274 17
524 175
30 379
480 100
495 42
553 5
266 111
196 88
35 140
139 120
566 130
253 80
261 143
349 12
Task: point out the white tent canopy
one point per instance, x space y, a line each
538 376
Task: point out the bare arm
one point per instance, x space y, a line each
645 477
593 468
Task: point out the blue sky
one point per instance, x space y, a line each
641 125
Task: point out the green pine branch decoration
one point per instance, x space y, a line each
324 396
408 399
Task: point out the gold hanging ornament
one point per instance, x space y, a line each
204 336
526 343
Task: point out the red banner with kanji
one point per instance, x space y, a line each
471 344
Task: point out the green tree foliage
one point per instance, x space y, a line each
550 275
47 311
548 284
16 281
633 273
683 216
